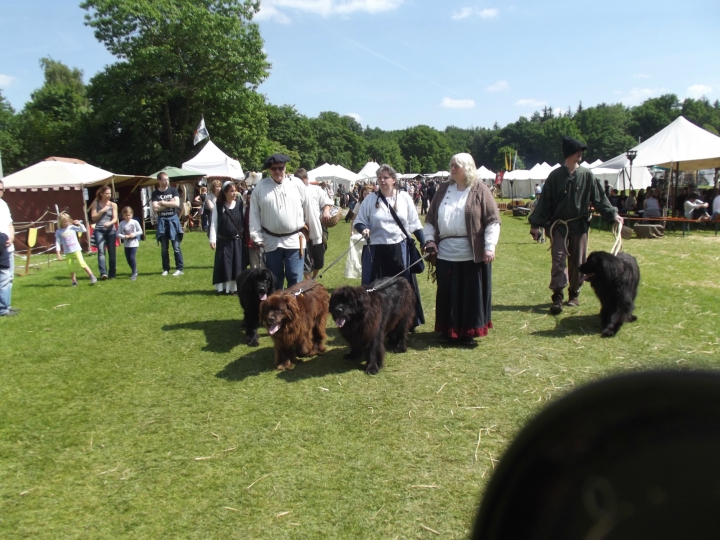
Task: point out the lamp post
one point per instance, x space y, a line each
512 192
631 155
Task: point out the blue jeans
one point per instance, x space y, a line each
285 263
164 245
130 258
105 238
6 281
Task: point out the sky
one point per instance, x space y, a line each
393 64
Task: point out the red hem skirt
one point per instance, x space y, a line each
463 301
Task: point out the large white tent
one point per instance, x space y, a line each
211 161
681 145
335 175
62 173
369 171
485 174
641 177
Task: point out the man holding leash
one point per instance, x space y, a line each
280 207
322 204
564 212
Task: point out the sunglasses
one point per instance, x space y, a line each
278 168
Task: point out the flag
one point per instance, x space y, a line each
515 161
201 132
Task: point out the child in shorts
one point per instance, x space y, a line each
130 231
66 239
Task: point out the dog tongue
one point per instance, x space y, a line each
263 297
274 328
340 322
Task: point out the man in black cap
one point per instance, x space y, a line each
279 209
564 212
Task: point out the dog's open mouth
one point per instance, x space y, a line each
274 328
340 322
589 276
263 297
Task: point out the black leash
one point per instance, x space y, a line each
390 280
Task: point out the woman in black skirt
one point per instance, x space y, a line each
463 227
226 238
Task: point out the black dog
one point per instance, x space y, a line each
254 285
366 318
615 280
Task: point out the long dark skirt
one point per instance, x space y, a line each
228 260
388 260
463 303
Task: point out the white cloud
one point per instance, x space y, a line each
530 103
637 95
464 13
450 103
698 90
324 8
6 80
355 116
498 86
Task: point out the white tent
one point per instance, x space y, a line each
211 161
681 145
485 174
440 174
641 177
369 171
518 184
335 175
62 173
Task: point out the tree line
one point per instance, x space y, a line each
181 59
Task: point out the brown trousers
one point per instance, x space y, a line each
566 260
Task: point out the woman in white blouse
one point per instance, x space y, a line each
226 239
386 254
463 227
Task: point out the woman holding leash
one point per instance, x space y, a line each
463 226
386 219
226 238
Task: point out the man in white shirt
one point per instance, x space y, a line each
7 274
322 203
280 207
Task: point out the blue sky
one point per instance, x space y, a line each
399 63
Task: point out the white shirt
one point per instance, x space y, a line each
451 221
282 208
212 233
318 198
5 221
716 204
126 228
383 229
690 207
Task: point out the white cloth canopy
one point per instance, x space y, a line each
369 170
681 142
485 174
335 175
65 173
211 161
641 177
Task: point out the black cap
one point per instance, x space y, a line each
275 158
572 146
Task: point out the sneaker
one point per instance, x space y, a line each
574 300
93 280
165 273
133 277
103 277
557 303
178 273
74 283
9 313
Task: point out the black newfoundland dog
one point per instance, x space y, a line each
366 315
615 280
254 285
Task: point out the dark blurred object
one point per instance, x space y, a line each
630 457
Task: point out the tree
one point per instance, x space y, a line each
295 131
427 146
10 144
653 115
604 129
508 153
340 140
387 150
180 59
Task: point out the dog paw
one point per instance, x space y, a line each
252 342
632 318
372 369
608 332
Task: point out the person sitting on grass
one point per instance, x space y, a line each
66 239
130 231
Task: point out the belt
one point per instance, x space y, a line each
276 235
236 237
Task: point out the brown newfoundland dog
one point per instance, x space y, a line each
295 319
367 315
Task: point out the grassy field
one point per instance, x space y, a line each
133 409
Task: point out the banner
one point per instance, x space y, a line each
201 132
499 178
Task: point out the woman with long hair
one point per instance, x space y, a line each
104 214
226 238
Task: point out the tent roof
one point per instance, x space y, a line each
369 170
485 174
176 173
66 172
681 142
333 172
211 161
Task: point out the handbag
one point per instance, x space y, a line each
413 254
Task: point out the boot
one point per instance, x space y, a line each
574 299
557 302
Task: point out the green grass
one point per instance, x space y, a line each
110 394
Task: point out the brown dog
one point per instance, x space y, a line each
295 319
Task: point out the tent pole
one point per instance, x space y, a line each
677 183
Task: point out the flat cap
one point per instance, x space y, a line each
275 158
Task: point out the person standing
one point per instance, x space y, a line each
463 227
322 204
430 194
104 214
66 241
7 274
386 219
564 211
226 238
165 203
279 209
130 232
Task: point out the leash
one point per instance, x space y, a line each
390 280
567 230
617 246
340 257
